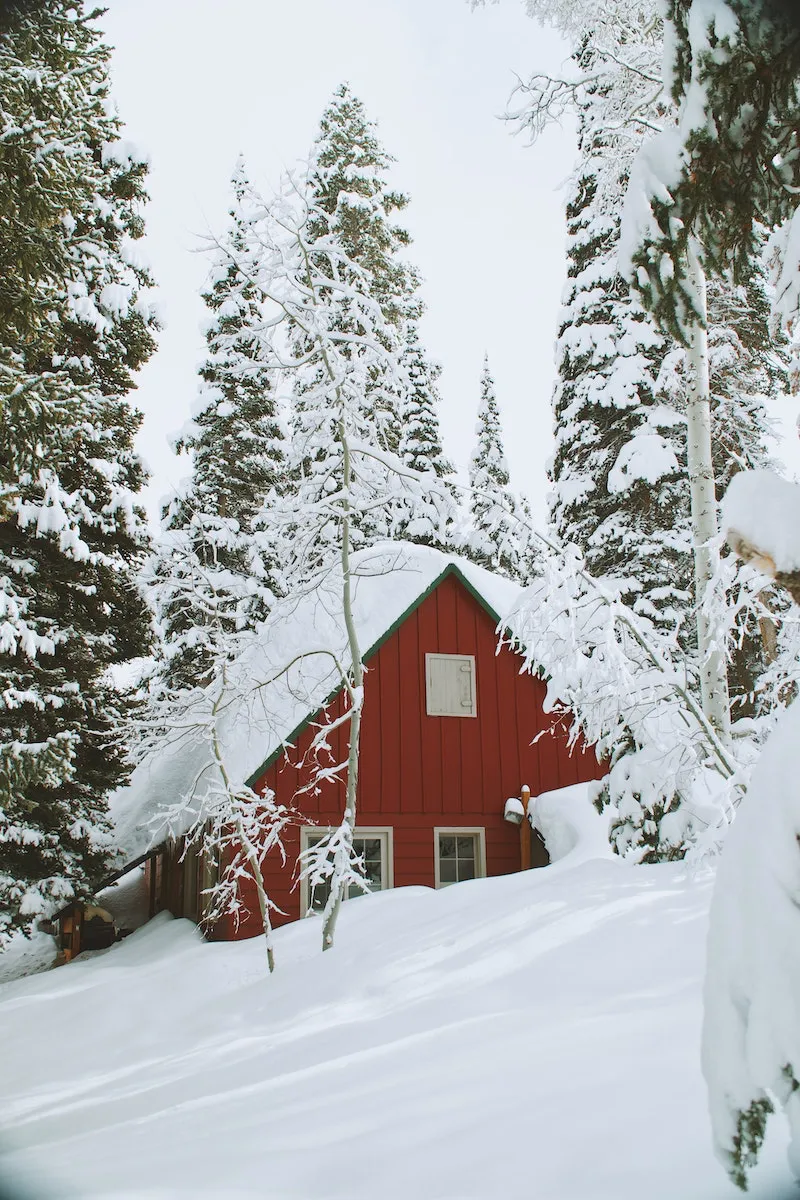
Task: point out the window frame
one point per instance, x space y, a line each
463 658
385 832
477 831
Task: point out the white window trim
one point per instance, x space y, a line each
460 831
462 712
307 832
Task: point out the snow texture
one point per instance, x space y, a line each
751 1030
763 509
572 829
532 1035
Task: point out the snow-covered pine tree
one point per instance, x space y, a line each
351 196
730 168
498 536
351 199
215 571
423 518
618 467
680 219
633 461
73 329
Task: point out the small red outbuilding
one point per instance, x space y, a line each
451 729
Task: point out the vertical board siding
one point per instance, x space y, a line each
417 772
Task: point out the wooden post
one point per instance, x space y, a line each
525 831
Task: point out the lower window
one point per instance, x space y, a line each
460 854
373 846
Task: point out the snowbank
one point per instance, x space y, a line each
764 511
533 1035
571 826
27 956
751 1028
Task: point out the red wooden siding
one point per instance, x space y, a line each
418 772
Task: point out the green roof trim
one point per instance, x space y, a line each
450 569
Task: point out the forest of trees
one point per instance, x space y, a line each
316 433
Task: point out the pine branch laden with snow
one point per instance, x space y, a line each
237 441
618 470
623 399
328 338
352 199
672 783
431 518
498 534
729 166
75 325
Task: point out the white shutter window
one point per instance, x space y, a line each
450 685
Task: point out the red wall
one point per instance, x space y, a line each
416 771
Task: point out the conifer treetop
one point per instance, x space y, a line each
215 571
500 534
488 458
420 439
236 438
427 516
348 180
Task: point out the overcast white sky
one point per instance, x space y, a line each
197 82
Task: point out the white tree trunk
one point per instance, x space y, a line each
713 672
356 692
251 854
250 851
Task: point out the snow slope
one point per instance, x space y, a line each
529 1036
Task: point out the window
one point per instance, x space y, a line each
450 685
460 854
374 846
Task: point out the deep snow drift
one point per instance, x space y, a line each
530 1036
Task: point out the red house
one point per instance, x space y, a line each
451 729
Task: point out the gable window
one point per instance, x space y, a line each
373 846
460 854
450 685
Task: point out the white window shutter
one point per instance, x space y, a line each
450 685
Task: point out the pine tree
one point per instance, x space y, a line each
620 468
620 460
352 201
498 537
73 328
731 167
216 570
352 197
428 519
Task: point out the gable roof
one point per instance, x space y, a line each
284 678
452 569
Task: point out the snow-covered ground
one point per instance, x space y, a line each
530 1036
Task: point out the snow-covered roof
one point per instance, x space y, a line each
265 699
